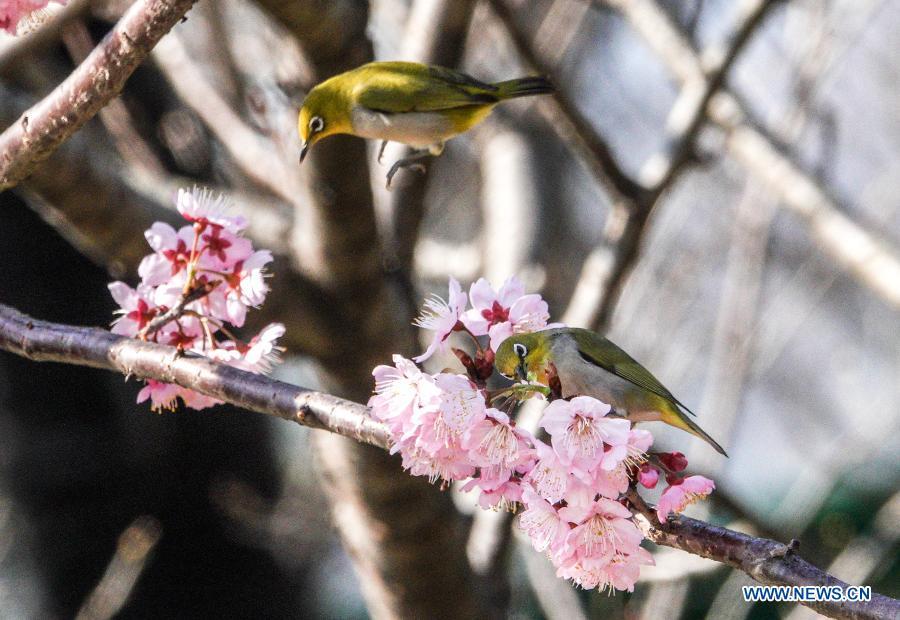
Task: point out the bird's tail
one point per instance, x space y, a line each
677 418
524 87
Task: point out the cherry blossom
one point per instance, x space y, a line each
14 11
572 490
500 314
648 476
207 276
579 429
679 496
542 522
201 206
137 308
441 317
549 476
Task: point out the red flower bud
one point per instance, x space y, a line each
674 461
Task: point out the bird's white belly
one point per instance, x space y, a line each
417 129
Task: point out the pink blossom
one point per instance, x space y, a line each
496 444
679 496
258 356
603 526
461 405
542 523
250 275
648 476
441 317
137 308
171 253
241 286
13 11
446 464
579 429
401 388
609 484
614 571
549 476
491 307
496 494
161 395
196 400
220 249
200 206
262 353
503 313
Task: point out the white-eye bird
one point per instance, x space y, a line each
588 364
419 105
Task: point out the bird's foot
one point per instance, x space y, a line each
413 162
381 150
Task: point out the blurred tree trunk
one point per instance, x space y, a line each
404 535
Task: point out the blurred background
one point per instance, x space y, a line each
715 186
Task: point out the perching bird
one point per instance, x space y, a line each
588 364
419 105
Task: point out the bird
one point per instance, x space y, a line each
416 104
587 364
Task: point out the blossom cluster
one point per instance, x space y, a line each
198 283
14 11
572 489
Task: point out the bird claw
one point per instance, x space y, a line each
381 152
413 163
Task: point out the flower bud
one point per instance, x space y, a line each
648 476
674 461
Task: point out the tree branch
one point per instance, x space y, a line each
766 561
683 126
854 248
41 129
85 346
571 124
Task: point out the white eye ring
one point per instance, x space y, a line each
520 350
316 124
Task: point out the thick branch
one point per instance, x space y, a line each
768 562
765 560
41 129
85 346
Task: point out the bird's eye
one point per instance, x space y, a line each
520 350
316 124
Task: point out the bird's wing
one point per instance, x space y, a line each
603 353
406 87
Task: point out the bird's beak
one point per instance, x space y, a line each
521 373
303 151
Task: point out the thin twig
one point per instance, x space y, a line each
41 129
173 313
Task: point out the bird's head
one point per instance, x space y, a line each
524 357
324 112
